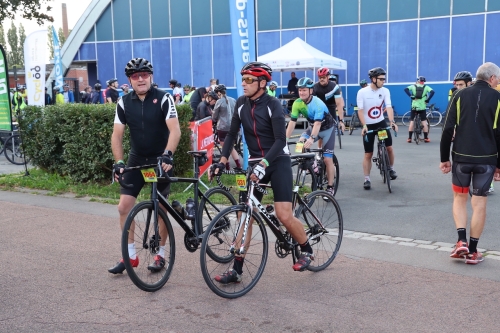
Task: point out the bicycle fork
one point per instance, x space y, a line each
245 222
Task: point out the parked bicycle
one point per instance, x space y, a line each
418 130
382 160
145 218
12 147
231 232
354 119
433 115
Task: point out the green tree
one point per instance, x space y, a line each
50 41
22 38
13 53
2 38
29 9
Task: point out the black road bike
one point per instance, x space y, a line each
382 160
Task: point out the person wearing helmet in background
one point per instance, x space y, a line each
221 117
205 108
112 93
420 95
272 88
96 94
68 95
188 92
321 123
58 97
371 101
151 117
176 92
329 92
125 87
363 83
263 123
154 85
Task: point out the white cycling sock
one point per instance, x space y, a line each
131 251
162 252
367 178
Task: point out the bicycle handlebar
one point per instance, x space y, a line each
238 172
162 174
380 129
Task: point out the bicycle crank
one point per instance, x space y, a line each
191 243
281 249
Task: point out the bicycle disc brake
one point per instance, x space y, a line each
191 243
154 244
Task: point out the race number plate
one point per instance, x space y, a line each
241 182
382 135
299 146
149 175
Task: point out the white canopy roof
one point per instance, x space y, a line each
298 55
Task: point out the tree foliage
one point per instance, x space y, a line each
2 37
28 9
50 39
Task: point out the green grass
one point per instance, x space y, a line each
54 185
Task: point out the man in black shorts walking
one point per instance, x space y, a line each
154 131
474 113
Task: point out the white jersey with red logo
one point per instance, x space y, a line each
373 102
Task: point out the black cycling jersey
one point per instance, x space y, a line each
328 94
113 94
474 113
146 121
263 125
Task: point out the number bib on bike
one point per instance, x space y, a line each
241 182
299 146
149 175
382 135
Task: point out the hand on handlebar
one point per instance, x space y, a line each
166 163
118 169
216 169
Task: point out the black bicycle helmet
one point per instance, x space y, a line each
173 82
97 86
363 83
377 71
138 65
213 95
154 84
220 88
111 81
257 69
305 82
421 78
463 75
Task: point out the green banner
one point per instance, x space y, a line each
5 113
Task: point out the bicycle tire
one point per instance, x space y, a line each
322 177
325 243
306 181
352 123
2 146
255 256
13 150
339 135
212 203
434 118
416 131
142 217
387 168
405 119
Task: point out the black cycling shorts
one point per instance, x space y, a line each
135 177
421 113
371 136
279 173
481 175
222 135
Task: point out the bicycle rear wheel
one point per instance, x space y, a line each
406 118
321 216
353 122
304 176
255 256
434 118
140 221
13 150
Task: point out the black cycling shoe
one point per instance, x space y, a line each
367 185
118 269
393 174
157 265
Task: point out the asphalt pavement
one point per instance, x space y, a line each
393 273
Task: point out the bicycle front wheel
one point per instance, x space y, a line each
13 150
339 135
385 156
219 237
321 216
406 118
434 118
147 241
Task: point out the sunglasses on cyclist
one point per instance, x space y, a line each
136 76
381 78
249 80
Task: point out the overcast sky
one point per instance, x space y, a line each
75 9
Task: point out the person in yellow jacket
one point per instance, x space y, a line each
58 97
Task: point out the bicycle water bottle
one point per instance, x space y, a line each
274 219
315 166
190 209
178 207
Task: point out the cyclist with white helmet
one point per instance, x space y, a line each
321 125
272 88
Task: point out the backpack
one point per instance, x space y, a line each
419 91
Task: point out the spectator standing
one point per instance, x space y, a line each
96 94
205 108
112 93
196 98
292 84
67 94
48 99
420 95
176 92
58 97
271 91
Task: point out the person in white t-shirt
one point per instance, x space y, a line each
371 101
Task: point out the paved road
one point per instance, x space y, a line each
54 253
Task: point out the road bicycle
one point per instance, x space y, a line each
417 130
434 117
232 230
145 218
217 152
354 122
312 171
382 160
12 147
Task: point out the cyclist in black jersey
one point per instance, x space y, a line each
474 114
263 124
111 93
154 129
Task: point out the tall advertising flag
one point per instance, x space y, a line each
34 64
5 111
57 60
242 14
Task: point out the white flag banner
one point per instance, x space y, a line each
35 48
